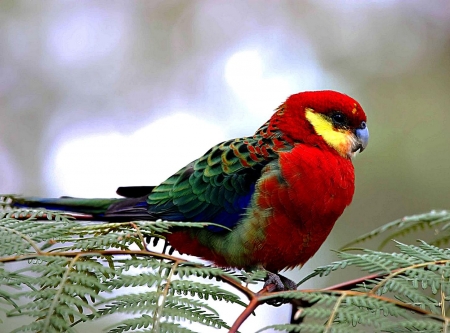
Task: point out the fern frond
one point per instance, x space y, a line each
22 214
203 291
58 325
253 276
138 303
143 279
160 226
324 298
308 328
408 326
73 268
325 270
406 290
188 269
404 226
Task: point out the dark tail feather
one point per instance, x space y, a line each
114 209
76 205
134 191
129 209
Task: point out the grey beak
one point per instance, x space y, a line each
363 136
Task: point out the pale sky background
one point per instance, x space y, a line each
100 94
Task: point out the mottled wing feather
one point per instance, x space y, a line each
215 188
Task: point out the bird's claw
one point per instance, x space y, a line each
274 280
278 283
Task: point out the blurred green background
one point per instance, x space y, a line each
100 94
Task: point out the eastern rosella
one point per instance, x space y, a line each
280 191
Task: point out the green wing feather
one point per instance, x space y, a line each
218 186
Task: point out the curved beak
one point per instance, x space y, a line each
362 135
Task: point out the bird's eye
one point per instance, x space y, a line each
339 119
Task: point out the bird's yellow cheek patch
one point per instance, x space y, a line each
339 139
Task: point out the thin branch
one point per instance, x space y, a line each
334 312
348 285
162 299
442 294
255 301
139 233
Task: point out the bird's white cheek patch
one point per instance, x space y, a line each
336 138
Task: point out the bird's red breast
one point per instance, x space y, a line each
304 203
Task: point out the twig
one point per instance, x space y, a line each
162 299
333 313
139 233
255 301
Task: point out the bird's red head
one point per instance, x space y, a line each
323 118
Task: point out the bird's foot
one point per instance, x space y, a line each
278 282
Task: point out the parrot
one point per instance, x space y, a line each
273 197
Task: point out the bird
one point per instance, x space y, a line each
273 197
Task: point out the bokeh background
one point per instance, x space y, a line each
99 94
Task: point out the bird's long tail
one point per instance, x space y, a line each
97 208
133 205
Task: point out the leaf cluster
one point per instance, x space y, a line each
72 273
56 272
